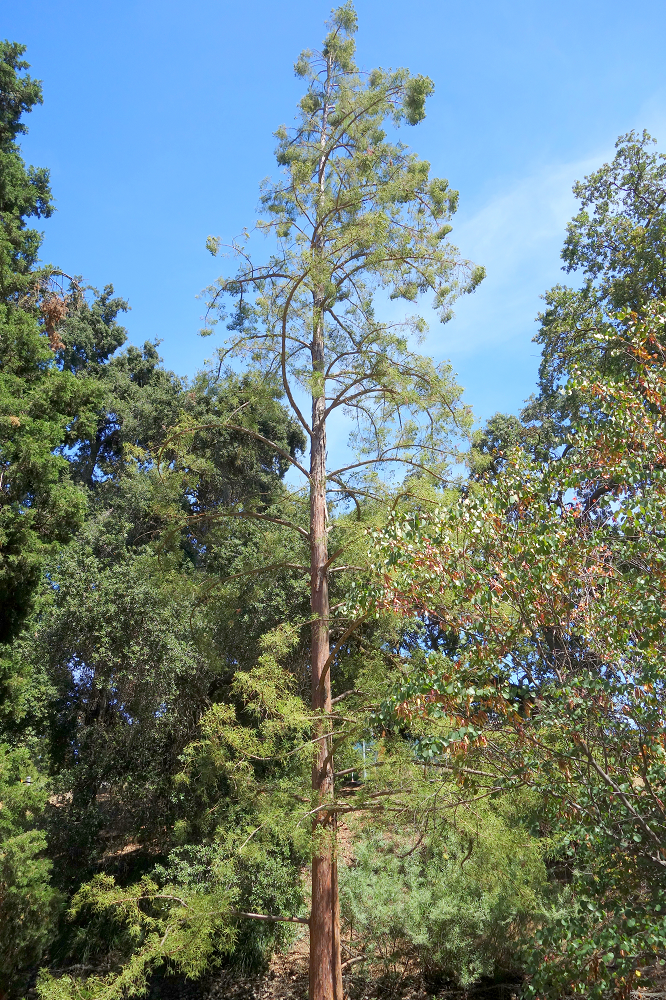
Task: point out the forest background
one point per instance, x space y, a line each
154 681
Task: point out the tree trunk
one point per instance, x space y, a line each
325 962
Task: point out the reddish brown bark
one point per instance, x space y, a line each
325 961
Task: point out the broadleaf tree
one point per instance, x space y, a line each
553 576
616 245
356 221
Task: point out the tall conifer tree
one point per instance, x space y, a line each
354 215
39 504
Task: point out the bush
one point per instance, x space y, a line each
459 905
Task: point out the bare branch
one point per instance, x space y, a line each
341 697
353 961
270 918
379 461
254 515
280 451
338 646
264 569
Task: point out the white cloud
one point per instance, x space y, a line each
517 236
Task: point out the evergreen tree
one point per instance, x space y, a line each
356 216
24 191
39 503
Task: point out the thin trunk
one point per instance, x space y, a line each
325 963
336 943
325 960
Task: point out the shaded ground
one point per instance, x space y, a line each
275 986
287 979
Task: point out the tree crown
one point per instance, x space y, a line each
355 214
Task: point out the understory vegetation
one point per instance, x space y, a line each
413 712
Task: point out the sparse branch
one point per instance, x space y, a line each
334 701
283 361
253 515
270 918
264 569
338 646
344 489
267 441
382 459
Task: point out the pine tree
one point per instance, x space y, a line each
355 217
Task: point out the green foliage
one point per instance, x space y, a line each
244 853
130 680
137 398
24 191
264 877
261 745
148 926
618 238
39 505
554 577
617 242
90 332
217 467
498 720
355 215
460 904
614 925
28 902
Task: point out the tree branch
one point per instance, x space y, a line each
283 361
341 697
379 461
257 517
269 917
353 961
280 451
338 646
264 569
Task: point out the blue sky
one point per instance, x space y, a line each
158 119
